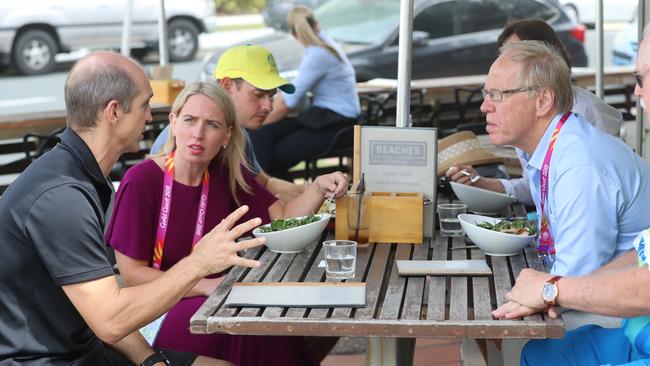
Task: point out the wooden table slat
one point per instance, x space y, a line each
413 298
502 282
295 272
275 274
254 275
533 259
458 294
518 263
315 274
482 304
437 289
392 303
363 260
374 280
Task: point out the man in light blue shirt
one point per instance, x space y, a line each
598 188
620 288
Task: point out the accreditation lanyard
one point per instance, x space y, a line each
165 205
546 243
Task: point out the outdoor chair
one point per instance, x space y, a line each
463 114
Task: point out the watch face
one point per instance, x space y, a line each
549 292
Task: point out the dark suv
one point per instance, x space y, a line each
450 38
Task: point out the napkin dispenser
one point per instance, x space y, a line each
394 217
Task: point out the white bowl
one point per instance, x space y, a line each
493 242
294 240
481 200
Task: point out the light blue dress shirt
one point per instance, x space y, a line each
332 82
595 111
598 195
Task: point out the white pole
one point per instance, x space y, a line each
599 52
643 13
125 48
404 63
162 35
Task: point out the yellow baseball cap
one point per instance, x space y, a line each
254 64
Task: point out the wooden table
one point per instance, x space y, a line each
17 125
398 309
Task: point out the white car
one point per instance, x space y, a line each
584 11
32 32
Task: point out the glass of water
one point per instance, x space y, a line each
340 258
449 223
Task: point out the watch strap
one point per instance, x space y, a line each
154 358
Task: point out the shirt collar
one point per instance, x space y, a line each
78 147
537 159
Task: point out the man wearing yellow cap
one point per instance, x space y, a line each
251 77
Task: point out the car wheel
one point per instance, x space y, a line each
34 52
183 40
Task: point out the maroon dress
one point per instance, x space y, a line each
132 232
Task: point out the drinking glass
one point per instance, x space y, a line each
340 258
449 222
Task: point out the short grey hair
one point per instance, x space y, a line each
88 92
542 67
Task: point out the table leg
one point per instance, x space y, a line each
390 351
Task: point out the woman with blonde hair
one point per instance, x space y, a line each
328 75
166 203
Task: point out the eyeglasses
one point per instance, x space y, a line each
638 77
496 95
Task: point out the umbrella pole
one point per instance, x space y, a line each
125 48
404 64
162 35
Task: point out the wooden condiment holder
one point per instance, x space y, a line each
394 217
166 91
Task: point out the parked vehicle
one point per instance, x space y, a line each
32 32
275 11
450 38
584 11
626 44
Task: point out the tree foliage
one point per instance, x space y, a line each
239 6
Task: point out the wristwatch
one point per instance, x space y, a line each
550 290
158 356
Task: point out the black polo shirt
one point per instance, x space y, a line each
51 235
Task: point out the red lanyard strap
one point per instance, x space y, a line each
165 206
546 242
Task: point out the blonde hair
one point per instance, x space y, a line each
232 156
542 67
304 27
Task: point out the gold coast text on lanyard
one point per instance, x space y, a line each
546 243
165 206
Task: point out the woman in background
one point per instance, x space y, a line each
326 72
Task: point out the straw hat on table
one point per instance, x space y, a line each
464 148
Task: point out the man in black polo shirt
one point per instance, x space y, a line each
60 303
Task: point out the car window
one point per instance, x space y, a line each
522 9
483 15
358 21
439 20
